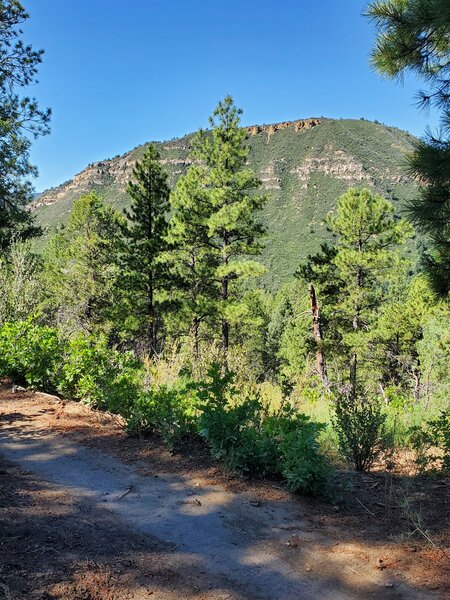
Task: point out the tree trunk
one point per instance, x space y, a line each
320 357
195 333
353 365
225 323
151 331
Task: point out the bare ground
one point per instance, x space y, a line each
88 513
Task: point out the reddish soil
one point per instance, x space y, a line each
54 545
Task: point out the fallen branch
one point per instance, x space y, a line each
365 508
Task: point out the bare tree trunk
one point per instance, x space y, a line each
225 327
151 331
195 332
353 365
320 357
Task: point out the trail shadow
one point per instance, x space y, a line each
14 417
201 533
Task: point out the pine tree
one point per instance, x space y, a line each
20 119
193 258
81 268
216 204
366 264
145 269
414 35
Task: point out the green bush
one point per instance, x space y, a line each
299 459
433 436
254 443
167 411
304 468
80 368
232 429
30 353
359 422
100 375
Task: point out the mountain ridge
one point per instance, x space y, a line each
304 165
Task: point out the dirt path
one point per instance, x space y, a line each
216 543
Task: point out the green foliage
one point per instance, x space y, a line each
233 429
303 466
144 271
433 436
430 210
20 290
214 224
20 120
414 35
81 270
289 331
82 368
30 353
359 422
99 375
250 440
169 411
358 276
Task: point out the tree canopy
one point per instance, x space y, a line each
21 120
414 35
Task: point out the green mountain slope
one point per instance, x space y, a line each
304 167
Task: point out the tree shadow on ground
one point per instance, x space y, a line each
196 530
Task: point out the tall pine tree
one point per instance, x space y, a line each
20 120
215 208
145 270
365 264
414 35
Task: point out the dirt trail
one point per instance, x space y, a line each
247 549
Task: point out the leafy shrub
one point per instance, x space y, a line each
167 411
299 458
100 375
359 423
304 468
81 368
434 435
252 442
30 353
233 430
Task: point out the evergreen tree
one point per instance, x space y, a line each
20 117
217 201
145 269
396 336
365 263
81 269
414 35
194 262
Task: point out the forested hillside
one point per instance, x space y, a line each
304 166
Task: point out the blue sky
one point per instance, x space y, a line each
118 73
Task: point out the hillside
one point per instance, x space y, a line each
303 165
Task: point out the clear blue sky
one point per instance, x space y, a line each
118 73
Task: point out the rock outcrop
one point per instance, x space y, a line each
299 125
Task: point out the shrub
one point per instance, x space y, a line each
30 353
81 368
304 468
100 375
359 423
433 436
167 411
252 442
299 459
